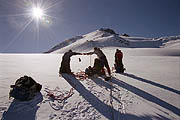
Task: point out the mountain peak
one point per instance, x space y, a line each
108 30
106 37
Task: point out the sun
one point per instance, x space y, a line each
37 12
33 12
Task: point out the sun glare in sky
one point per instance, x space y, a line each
37 12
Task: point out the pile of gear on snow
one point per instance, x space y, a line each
24 89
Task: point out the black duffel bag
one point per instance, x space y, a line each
25 89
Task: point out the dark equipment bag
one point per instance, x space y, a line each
25 89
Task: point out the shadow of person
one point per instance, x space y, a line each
146 96
151 82
101 82
23 110
107 111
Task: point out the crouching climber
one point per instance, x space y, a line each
101 58
98 68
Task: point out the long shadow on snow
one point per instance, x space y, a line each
152 83
23 110
147 96
100 106
101 82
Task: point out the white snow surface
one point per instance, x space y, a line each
148 90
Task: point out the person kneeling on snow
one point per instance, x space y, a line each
119 67
101 56
98 68
65 63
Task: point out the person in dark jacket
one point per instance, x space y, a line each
101 56
65 63
118 61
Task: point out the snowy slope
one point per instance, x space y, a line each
101 38
97 38
148 90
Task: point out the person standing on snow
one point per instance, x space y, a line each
118 61
101 56
65 63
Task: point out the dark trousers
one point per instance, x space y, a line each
65 67
119 66
104 59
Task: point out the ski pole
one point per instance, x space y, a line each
90 60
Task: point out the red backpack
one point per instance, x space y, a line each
119 55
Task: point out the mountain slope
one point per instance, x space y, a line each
108 38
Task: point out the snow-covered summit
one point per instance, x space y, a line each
99 38
106 37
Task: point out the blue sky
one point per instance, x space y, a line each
69 18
